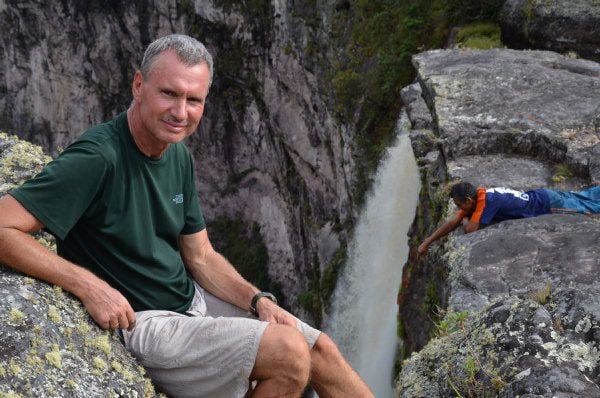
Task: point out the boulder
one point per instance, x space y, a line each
543 347
562 26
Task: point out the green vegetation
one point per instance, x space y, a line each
321 286
452 322
561 173
479 35
542 295
244 247
376 63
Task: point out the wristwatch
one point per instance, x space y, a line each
255 299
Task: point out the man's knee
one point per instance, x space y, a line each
283 354
297 356
325 347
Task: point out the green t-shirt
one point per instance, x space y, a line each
119 213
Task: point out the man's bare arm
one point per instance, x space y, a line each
21 252
447 227
470 226
215 274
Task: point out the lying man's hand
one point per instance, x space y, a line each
422 250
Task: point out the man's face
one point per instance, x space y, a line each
171 99
468 206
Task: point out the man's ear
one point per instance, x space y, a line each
472 203
136 87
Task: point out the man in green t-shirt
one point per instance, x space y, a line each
134 249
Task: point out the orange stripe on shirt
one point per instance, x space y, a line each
476 216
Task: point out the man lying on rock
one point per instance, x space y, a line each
481 207
134 249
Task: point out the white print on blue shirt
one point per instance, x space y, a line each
516 194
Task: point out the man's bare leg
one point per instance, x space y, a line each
331 375
282 364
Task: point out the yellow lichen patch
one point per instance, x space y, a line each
100 366
28 280
16 317
53 314
83 328
102 344
71 384
127 375
22 156
34 361
10 394
14 368
58 291
53 357
149 389
100 363
47 244
116 366
2 371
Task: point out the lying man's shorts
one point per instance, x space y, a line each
210 352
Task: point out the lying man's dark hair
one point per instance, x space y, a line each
462 191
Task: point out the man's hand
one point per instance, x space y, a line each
107 306
270 312
422 250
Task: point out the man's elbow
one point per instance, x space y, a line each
470 227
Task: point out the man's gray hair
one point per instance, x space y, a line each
189 50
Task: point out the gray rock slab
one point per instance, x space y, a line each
568 25
501 170
534 103
523 257
50 347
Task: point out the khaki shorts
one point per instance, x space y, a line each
208 353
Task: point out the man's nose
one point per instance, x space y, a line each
178 110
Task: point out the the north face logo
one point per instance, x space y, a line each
178 199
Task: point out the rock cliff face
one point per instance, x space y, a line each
268 152
521 314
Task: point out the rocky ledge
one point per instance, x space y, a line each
49 346
512 309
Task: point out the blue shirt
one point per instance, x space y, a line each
499 204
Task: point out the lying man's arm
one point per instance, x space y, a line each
470 226
21 252
215 274
442 231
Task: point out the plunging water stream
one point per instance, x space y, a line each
364 309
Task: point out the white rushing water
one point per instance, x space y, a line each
364 310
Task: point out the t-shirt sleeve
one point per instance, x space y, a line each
194 220
60 194
492 205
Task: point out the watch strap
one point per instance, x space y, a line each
257 297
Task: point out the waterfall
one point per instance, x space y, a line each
364 311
